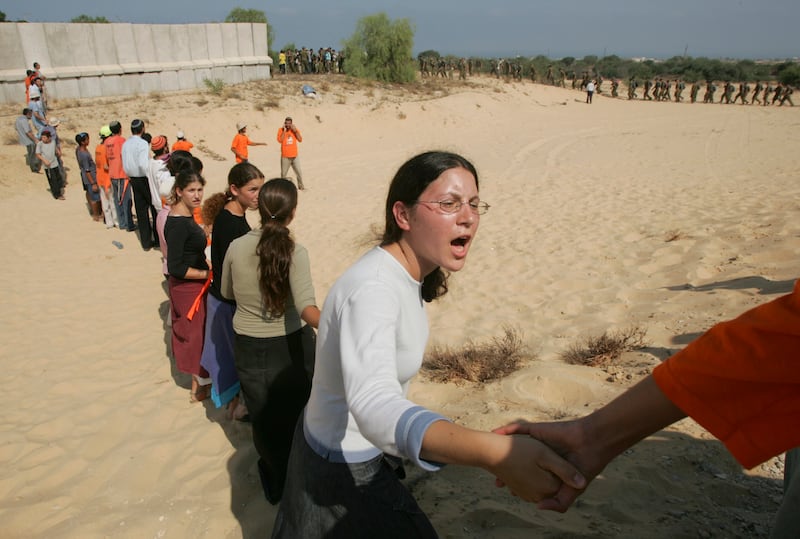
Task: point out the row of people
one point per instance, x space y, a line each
357 420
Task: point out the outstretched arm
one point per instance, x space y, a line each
529 468
591 442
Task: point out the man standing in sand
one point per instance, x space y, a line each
28 139
240 143
136 162
289 136
589 91
119 181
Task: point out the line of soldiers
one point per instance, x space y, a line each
307 61
430 66
662 90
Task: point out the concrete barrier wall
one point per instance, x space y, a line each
93 60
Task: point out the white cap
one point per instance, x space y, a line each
240 126
180 134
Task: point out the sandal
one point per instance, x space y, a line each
199 394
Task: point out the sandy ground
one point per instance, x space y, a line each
667 216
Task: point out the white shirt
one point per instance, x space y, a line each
372 335
135 157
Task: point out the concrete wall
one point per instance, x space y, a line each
93 60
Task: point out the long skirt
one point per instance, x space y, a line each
276 386
187 335
217 356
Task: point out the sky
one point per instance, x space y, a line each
555 28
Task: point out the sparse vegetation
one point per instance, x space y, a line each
201 102
401 115
87 18
673 235
201 145
476 362
268 104
215 86
599 351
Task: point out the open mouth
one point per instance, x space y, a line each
460 242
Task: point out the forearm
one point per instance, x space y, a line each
310 316
631 417
196 274
449 443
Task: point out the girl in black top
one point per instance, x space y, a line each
189 275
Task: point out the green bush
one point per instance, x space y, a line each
381 49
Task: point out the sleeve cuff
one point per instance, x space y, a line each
411 430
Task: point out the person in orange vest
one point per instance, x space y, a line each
241 141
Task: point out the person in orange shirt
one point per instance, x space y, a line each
740 380
240 143
182 144
119 180
104 180
289 136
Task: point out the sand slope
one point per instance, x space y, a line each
668 216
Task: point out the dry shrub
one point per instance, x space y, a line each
602 350
209 152
155 95
673 235
214 86
341 99
11 139
476 362
401 115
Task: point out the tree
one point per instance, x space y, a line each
257 16
381 49
2 17
87 18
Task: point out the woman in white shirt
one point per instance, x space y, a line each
344 468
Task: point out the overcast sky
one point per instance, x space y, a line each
555 28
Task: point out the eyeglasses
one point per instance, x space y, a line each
453 206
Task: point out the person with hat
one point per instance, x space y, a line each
38 116
104 180
136 162
88 170
289 136
159 178
27 139
54 123
48 153
182 144
241 141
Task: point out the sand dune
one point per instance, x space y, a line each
668 216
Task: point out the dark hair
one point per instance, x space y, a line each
411 179
197 164
80 137
25 111
182 180
277 200
116 127
240 175
137 127
147 137
180 161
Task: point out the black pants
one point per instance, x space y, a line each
276 383
55 181
145 212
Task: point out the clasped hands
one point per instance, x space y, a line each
559 464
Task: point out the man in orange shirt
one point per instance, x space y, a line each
240 143
119 181
182 144
289 136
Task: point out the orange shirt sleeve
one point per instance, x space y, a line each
741 380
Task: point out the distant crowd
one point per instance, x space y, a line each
309 61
